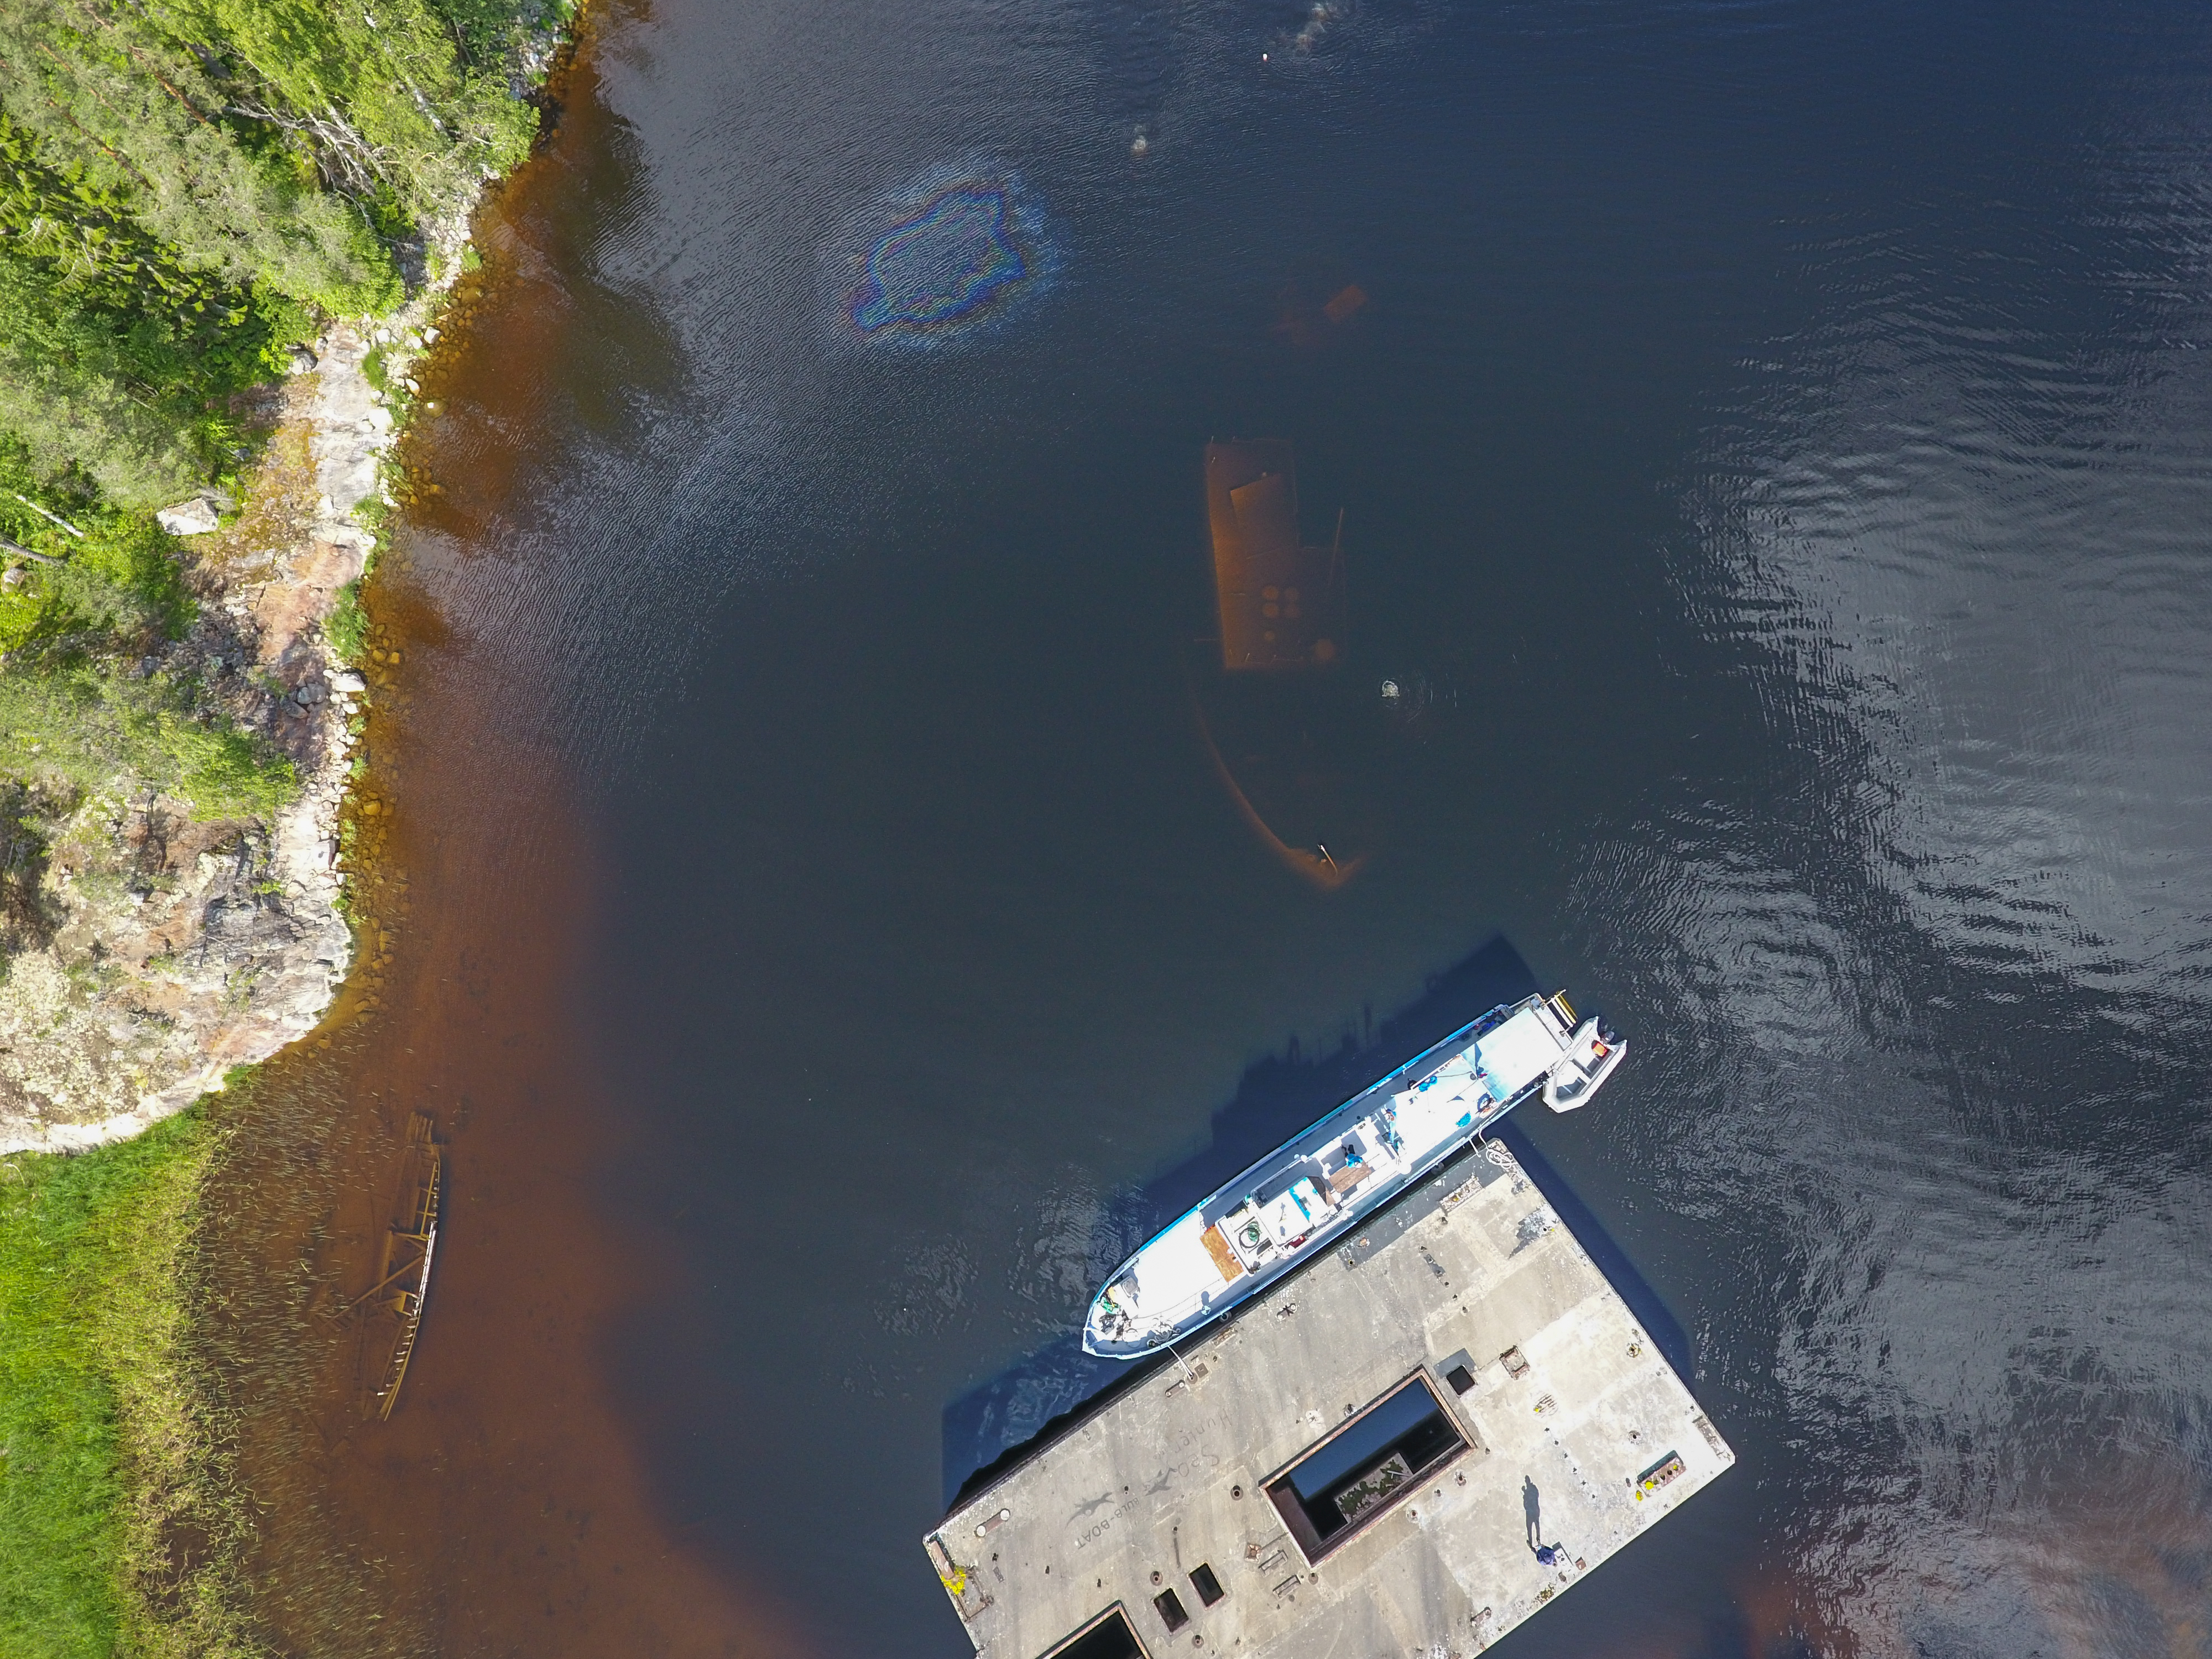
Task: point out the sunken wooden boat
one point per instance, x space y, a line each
391 1310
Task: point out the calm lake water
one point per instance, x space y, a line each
1775 460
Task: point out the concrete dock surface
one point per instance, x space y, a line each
1408 1447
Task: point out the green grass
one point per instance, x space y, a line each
374 371
106 1445
347 626
95 725
106 588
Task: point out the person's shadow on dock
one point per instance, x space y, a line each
1532 1511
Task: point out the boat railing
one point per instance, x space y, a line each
1287 1257
1394 1167
1476 1027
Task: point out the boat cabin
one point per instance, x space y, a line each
1352 1161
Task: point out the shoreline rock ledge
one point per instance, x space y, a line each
146 953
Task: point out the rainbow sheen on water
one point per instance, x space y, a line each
946 263
1776 448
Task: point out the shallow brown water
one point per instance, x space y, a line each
1774 454
504 1509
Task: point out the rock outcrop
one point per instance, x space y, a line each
147 953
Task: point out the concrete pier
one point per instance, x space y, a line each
1407 1448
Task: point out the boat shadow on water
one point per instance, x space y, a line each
989 1428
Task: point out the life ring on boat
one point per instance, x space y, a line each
1248 1236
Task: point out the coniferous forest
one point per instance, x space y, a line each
189 190
186 186
182 183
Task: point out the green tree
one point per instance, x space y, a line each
111 347
139 115
377 88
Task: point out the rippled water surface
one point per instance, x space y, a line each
1776 455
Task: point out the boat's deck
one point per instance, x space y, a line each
1254 1228
1471 1288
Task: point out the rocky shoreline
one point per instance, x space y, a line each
145 954
165 950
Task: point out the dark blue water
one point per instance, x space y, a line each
1776 455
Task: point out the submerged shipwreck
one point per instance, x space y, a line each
1285 1208
1294 739
1282 603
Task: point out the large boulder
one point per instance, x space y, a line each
197 516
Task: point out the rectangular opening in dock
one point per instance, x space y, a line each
1106 1636
1240 1498
1356 1474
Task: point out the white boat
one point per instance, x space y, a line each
1289 1206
